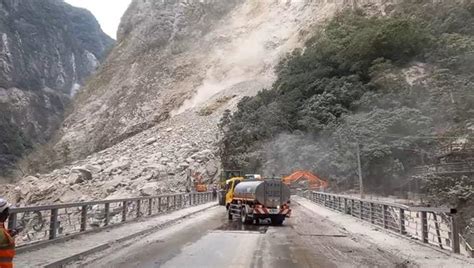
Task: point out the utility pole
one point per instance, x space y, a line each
361 184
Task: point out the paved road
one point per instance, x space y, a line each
210 240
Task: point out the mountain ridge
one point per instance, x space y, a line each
47 50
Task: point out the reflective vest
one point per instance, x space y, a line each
7 248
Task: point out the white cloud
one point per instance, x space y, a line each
107 12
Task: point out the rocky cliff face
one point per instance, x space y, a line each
150 116
159 60
47 49
175 55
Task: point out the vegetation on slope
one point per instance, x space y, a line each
353 83
12 143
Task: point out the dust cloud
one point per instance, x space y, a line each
289 152
249 45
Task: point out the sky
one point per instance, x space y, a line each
107 12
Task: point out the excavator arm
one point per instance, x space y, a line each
302 176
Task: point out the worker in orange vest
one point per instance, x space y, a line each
7 243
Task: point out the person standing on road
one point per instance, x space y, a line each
7 243
214 192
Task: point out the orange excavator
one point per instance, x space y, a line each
195 182
305 178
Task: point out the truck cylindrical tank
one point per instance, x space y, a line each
270 193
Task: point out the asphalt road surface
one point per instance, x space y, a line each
210 240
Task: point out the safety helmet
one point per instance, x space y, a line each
3 205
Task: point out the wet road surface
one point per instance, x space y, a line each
210 240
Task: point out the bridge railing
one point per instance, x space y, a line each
448 168
45 223
431 225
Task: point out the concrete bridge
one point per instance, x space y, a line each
191 230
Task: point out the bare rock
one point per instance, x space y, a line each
148 177
211 169
116 182
154 167
185 145
99 162
183 165
206 153
93 168
84 173
70 196
32 179
75 178
120 194
149 189
118 166
150 141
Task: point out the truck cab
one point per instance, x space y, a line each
229 179
229 189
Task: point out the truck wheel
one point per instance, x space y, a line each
244 216
277 221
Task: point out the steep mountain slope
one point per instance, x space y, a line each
168 54
400 86
47 50
150 116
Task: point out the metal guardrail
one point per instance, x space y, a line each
454 147
44 223
449 168
431 225
466 249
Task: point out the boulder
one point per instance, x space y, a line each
171 168
185 145
135 176
31 179
206 153
75 178
120 194
118 166
99 162
154 167
76 187
194 150
137 184
70 196
16 195
164 160
150 141
85 173
211 169
93 168
149 189
116 182
110 189
183 165
148 177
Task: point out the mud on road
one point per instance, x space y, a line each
210 240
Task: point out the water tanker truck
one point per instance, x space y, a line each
253 200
